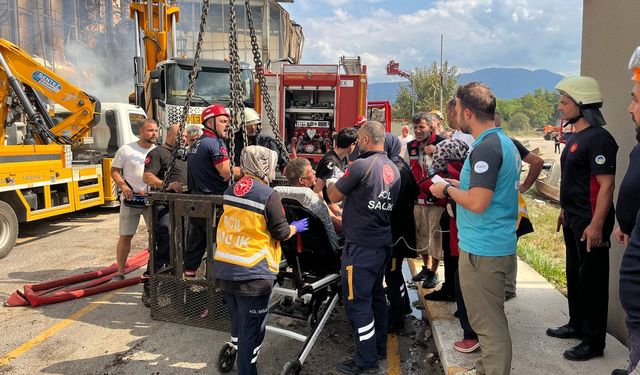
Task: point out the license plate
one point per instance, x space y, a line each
312 124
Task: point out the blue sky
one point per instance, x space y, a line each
532 34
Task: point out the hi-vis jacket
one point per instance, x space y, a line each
245 248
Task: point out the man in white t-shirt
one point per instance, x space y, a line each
405 138
453 124
126 171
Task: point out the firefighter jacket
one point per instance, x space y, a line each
419 163
245 248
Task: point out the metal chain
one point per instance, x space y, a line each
266 101
190 89
235 88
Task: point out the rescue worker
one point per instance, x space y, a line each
248 251
587 216
427 214
628 232
208 172
371 186
403 230
126 171
253 129
156 166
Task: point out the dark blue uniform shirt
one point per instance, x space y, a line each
203 176
371 186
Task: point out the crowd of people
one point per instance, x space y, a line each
452 196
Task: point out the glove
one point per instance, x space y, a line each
331 181
301 225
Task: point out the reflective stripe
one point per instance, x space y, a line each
255 359
368 336
248 261
350 282
257 349
244 201
402 294
367 327
234 339
401 287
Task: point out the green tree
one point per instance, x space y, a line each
426 89
519 121
539 107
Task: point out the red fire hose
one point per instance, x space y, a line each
65 289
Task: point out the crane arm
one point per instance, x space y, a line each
85 108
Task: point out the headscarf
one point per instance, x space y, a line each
449 150
260 162
392 146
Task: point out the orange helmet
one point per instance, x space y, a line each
360 120
213 110
634 64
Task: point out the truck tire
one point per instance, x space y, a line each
8 229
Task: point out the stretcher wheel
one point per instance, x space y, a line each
226 358
292 367
313 321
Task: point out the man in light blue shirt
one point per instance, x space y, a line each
486 215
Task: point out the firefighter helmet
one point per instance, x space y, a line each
250 116
360 121
213 110
581 89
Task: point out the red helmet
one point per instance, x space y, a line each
214 110
361 120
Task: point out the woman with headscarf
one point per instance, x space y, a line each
403 231
248 253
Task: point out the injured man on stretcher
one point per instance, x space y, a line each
301 178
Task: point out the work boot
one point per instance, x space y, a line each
422 275
146 295
431 281
350 367
563 332
582 352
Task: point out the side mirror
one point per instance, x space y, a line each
156 90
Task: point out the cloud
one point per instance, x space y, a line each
535 34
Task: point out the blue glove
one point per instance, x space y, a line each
301 225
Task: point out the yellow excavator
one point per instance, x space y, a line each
50 167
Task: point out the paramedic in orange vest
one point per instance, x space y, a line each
248 251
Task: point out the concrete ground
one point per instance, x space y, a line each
112 333
538 305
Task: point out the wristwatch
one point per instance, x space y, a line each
445 191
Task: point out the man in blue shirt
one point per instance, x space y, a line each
371 186
487 212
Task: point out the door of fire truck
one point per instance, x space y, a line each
380 111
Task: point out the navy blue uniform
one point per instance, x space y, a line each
371 186
588 153
627 212
203 178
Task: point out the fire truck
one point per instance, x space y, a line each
314 101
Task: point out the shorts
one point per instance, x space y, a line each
130 218
428 230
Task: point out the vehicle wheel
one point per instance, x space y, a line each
292 367
8 229
313 321
226 358
547 136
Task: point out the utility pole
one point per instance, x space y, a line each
441 72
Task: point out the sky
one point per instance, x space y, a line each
532 34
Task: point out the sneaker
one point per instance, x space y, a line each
466 345
440 295
350 367
422 275
509 295
431 281
190 273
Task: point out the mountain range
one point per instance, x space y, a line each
507 83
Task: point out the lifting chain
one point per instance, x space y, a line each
264 93
179 148
235 89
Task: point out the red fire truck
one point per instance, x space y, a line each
312 102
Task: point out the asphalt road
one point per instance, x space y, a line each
112 333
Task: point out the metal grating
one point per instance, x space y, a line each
191 302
